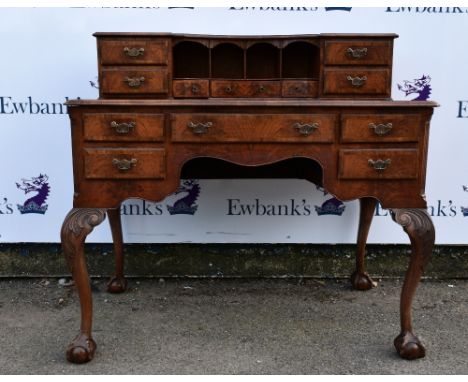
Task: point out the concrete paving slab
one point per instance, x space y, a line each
233 326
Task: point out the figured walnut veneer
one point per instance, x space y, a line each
315 106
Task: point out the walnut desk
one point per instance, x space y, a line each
318 104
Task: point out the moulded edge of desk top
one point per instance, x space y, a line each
250 102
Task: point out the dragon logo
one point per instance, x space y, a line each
420 86
36 204
186 205
332 206
464 210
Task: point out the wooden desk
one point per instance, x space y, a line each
320 100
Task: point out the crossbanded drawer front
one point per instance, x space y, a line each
134 52
123 127
125 163
361 128
245 88
139 80
378 164
358 52
250 128
190 88
356 81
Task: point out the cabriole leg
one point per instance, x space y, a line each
118 283
77 225
360 279
418 225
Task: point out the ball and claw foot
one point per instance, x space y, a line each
117 285
408 346
362 281
81 350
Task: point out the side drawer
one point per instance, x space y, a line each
245 88
352 81
106 163
250 128
299 88
378 164
134 80
358 52
134 52
123 127
190 88
380 128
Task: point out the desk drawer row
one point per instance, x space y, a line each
147 161
251 128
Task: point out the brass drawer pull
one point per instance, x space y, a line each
124 164
381 128
134 52
123 128
357 81
379 164
261 89
134 82
195 89
199 127
306 128
228 89
357 53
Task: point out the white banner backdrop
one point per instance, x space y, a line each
49 55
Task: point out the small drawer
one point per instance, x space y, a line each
123 127
245 88
134 52
190 88
379 164
361 128
250 128
351 81
299 88
125 163
125 80
358 52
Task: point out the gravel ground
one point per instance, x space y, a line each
233 326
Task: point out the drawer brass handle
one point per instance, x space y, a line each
357 81
134 82
379 164
229 89
306 128
195 89
381 128
123 128
357 53
199 127
261 88
134 52
124 164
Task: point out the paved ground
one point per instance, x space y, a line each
233 327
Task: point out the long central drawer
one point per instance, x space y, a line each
253 128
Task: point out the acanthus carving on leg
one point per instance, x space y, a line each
360 279
418 225
77 225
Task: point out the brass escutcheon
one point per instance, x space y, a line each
123 128
379 164
124 164
306 128
134 52
357 81
357 52
381 128
134 82
199 127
